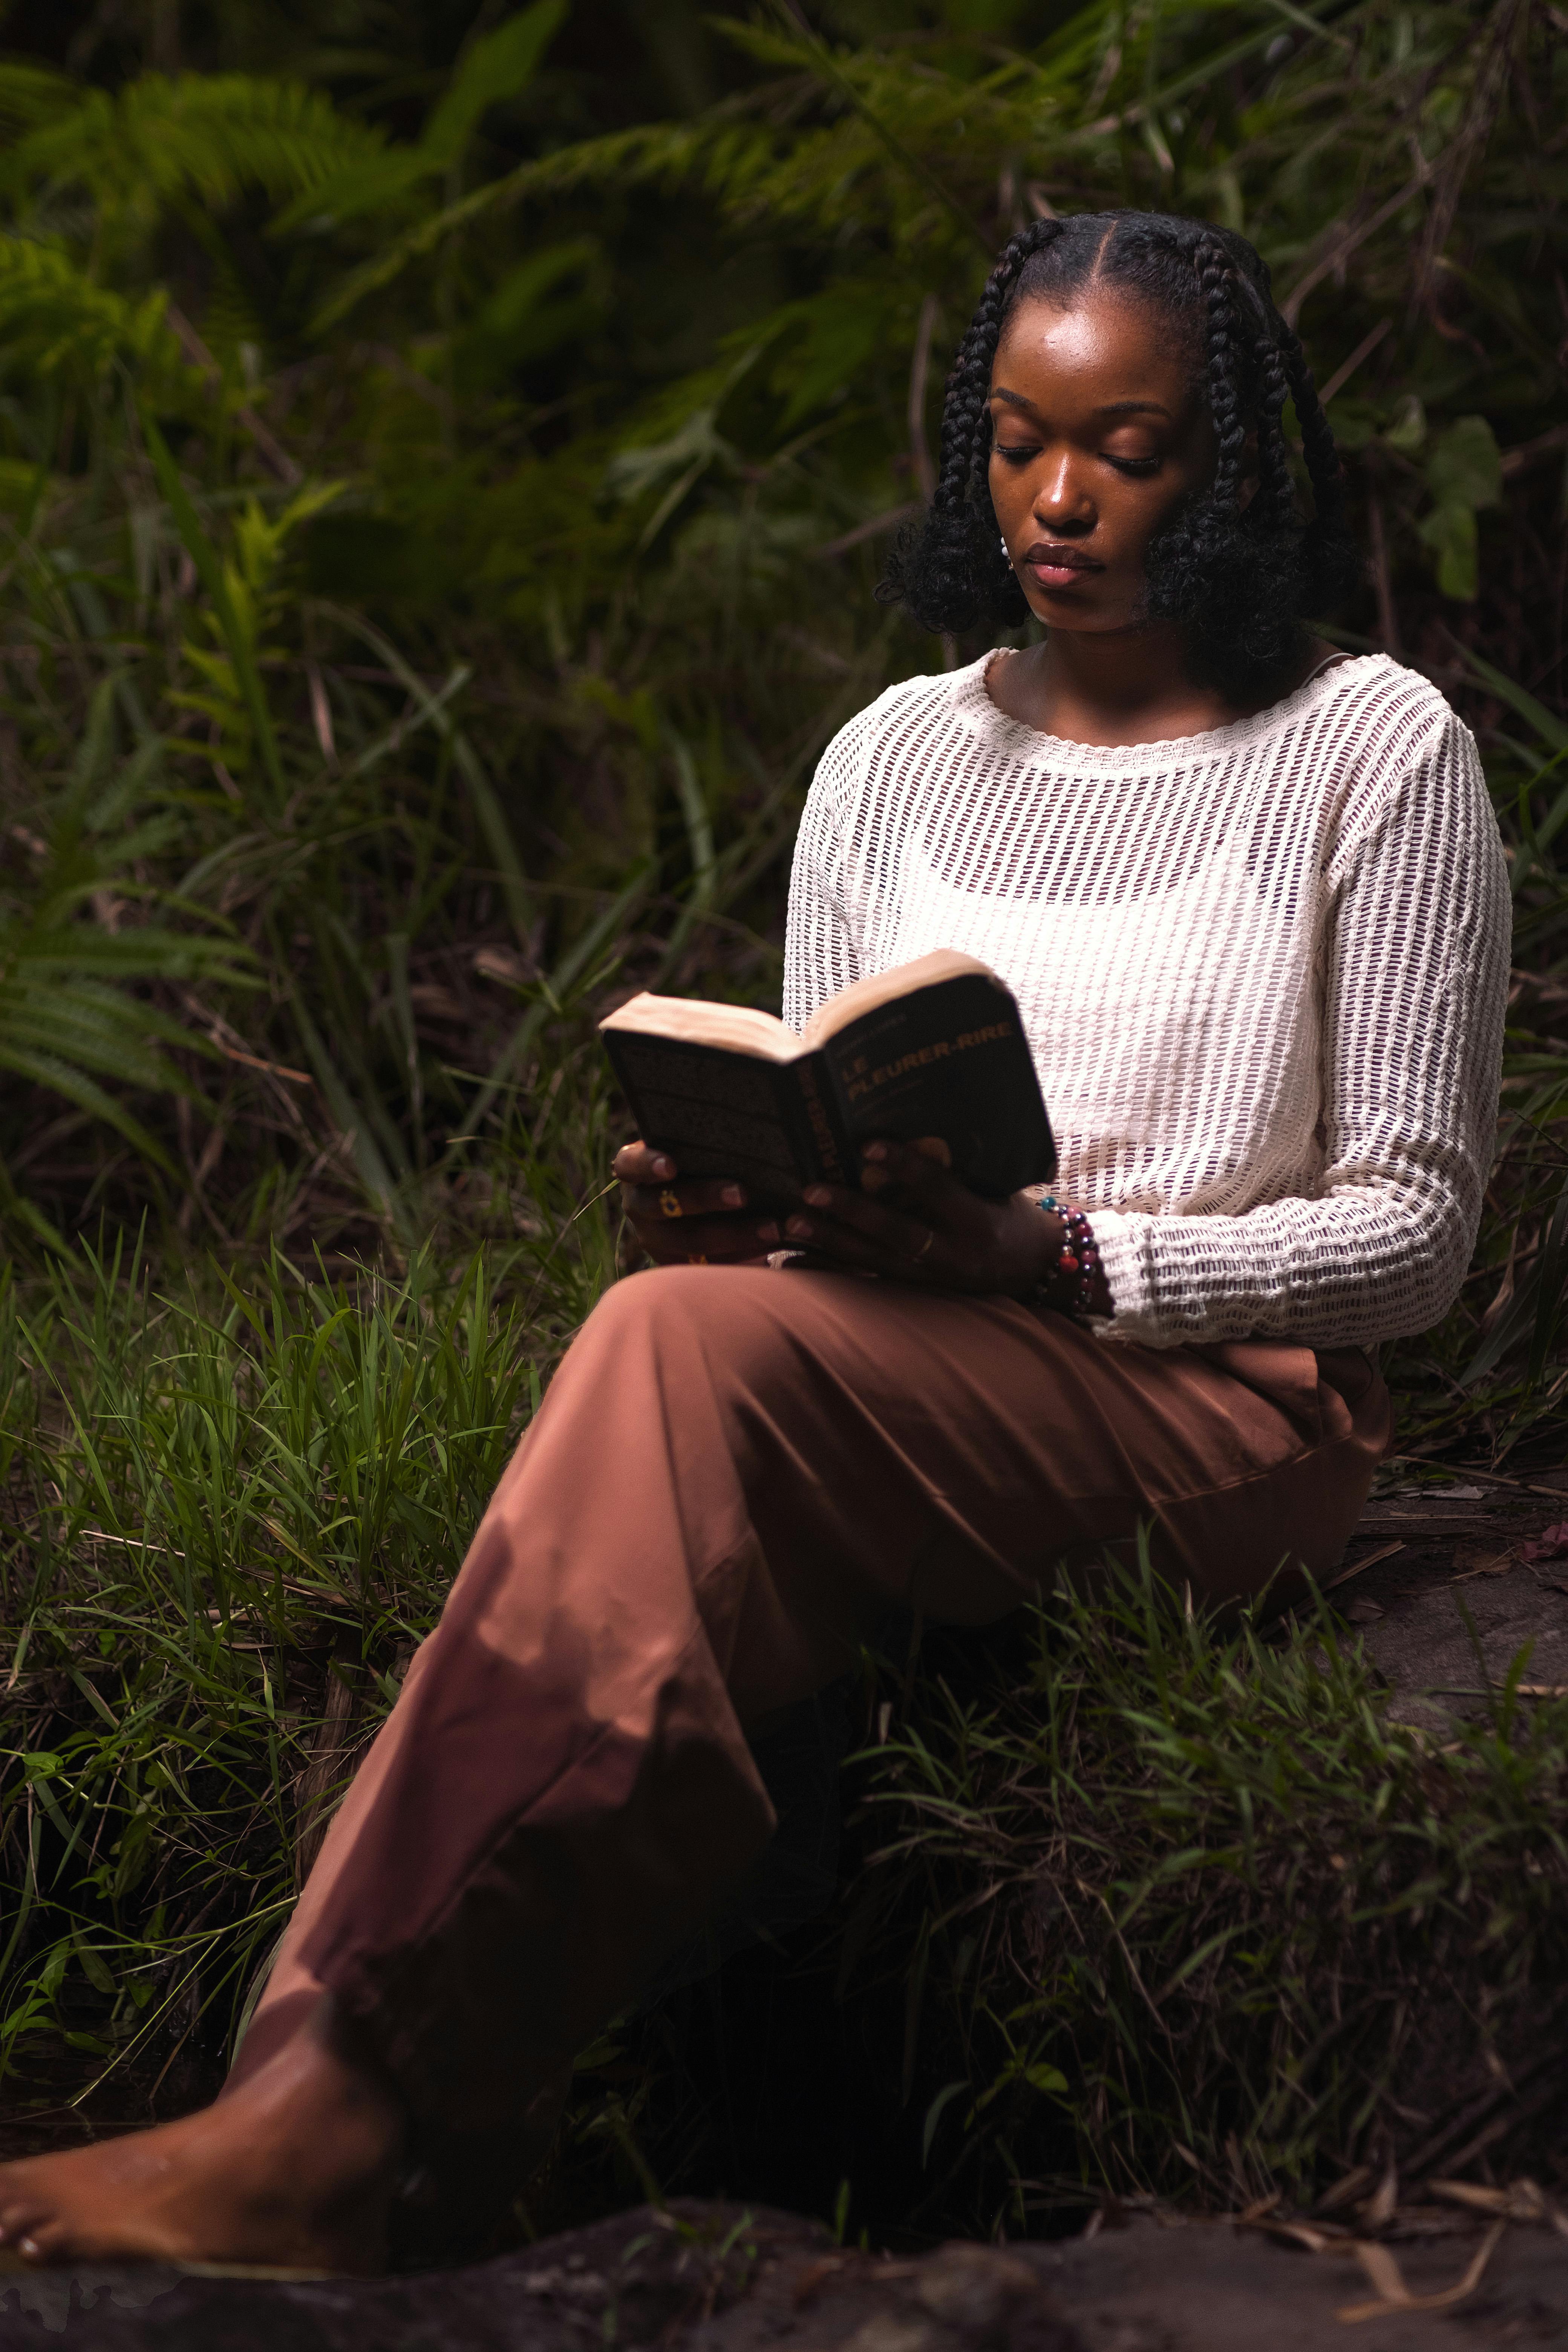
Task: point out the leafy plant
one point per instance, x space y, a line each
1199 1912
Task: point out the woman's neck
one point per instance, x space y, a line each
1119 686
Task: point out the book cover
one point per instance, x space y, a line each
933 1047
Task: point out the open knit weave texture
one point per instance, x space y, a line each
1262 970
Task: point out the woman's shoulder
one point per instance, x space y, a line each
1389 714
1398 754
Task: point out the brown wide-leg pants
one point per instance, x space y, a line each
735 1472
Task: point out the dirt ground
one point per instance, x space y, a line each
714 2278
1422 1560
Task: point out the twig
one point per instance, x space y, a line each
1530 453
273 1069
1384 1551
872 529
1363 350
1387 618
267 442
920 452
1345 245
1487 1477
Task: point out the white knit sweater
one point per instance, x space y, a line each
1262 971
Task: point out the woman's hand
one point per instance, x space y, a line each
702 1221
914 1221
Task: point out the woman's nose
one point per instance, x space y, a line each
1062 495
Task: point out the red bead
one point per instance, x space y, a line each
1068 1261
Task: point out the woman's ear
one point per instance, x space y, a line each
1247 481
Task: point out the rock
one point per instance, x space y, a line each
723 2278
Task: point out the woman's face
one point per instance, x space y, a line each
1099 430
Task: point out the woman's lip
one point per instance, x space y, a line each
1052 571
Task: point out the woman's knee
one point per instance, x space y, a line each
713 1323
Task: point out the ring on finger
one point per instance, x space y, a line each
669 1202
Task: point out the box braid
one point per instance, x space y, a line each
1239 579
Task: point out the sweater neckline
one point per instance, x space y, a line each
971 700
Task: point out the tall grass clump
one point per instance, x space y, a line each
230 1518
1175 1912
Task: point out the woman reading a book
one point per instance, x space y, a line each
1250 900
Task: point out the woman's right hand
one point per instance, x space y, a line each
703 1222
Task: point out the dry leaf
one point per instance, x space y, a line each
893 2331
1383 2271
1394 2296
1301 2233
1363 1612
1345 2191
1522 2200
1483 1560
1384 1551
1378 2210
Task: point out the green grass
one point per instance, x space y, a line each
221 1502
1200 1916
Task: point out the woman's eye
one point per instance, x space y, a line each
1017 454
1132 465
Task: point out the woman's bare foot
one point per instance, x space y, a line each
294 2168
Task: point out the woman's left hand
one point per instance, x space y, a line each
914 1221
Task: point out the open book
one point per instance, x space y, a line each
932 1047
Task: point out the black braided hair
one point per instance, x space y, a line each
1240 580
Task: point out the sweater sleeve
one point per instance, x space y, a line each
1416 965
821 951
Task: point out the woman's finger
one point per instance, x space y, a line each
910 1252
708 1241
698 1197
919 1173
889 1230
639 1163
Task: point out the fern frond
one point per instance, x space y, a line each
207 137
32 94
73 1082
662 152
61 317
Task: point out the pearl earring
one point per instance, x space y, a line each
1002 543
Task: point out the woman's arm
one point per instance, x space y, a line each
1416 984
821 954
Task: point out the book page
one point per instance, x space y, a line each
733 1028
863 996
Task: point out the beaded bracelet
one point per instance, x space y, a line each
1077 1265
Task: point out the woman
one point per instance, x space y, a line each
1250 898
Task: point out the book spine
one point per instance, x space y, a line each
822 1146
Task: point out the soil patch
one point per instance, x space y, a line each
723 2278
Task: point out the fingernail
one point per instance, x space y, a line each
732 1197
818 1196
767 1232
664 1167
800 1227
875 1151
28 2245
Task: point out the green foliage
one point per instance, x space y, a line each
1200 1912
214 1511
